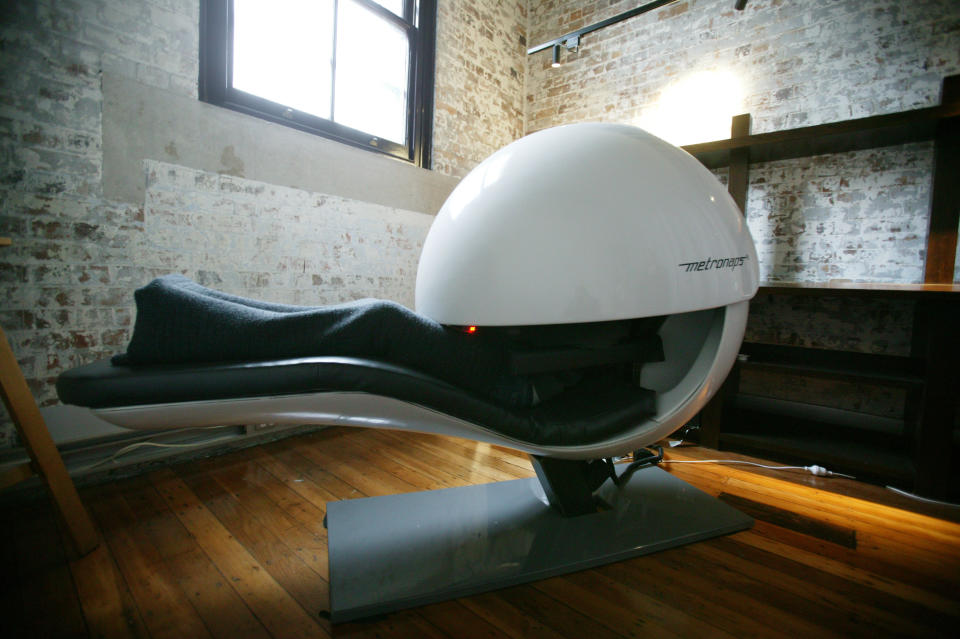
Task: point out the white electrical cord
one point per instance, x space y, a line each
819 471
923 499
136 445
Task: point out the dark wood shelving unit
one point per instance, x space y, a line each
874 132
886 370
921 455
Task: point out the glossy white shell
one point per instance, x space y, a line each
583 223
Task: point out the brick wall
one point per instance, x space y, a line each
276 243
859 216
66 284
481 62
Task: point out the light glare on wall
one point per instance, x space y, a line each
697 108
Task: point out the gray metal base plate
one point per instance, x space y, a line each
400 551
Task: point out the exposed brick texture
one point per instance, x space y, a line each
67 281
271 242
854 216
481 63
859 216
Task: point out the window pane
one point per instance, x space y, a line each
396 6
282 52
371 82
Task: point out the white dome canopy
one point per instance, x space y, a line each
584 223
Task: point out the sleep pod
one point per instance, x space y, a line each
615 273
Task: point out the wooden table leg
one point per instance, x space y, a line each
46 460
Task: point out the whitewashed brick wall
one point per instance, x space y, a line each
274 243
66 284
859 216
481 65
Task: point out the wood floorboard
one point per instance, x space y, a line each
849 605
559 616
235 547
270 573
497 609
455 620
221 539
909 550
108 606
907 592
606 608
221 608
165 609
405 624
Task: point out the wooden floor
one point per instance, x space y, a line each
235 547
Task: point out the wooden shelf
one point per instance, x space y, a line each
844 441
864 289
877 131
853 458
887 370
925 444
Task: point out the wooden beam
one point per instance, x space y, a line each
945 204
718 410
46 459
739 175
937 341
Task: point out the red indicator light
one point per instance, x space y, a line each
471 329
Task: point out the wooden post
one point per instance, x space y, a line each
936 340
45 458
718 409
739 175
945 203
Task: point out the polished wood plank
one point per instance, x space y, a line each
485 459
400 625
572 622
281 510
44 456
108 606
276 608
496 609
297 472
235 546
845 604
918 545
652 612
884 585
454 620
369 479
607 607
221 608
165 609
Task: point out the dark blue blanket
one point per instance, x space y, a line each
178 321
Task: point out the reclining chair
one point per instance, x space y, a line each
605 255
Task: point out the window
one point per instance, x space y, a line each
356 71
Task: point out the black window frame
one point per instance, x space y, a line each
419 21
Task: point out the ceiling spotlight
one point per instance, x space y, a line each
556 56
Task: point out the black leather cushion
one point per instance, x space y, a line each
590 411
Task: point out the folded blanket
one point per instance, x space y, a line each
178 321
